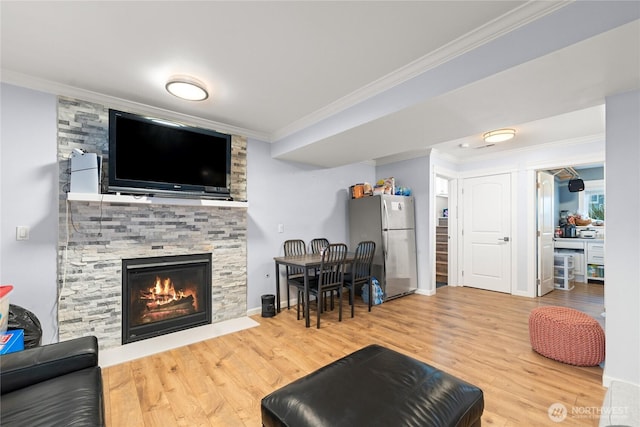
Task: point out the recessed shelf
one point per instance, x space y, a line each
147 200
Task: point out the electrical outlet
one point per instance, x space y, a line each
280 228
22 232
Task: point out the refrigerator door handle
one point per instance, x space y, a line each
385 214
385 228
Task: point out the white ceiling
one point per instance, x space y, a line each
332 83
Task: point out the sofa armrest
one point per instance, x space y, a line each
34 365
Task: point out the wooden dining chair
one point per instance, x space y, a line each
330 278
360 273
295 275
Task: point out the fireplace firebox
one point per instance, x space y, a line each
161 295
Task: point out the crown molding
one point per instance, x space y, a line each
59 89
516 18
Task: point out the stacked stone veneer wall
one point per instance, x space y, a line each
94 237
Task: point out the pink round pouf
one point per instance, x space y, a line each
566 335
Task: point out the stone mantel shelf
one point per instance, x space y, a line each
146 200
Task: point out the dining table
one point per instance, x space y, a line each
308 262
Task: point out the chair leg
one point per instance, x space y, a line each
288 298
339 305
370 294
352 298
320 300
300 303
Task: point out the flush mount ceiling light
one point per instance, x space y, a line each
499 135
187 88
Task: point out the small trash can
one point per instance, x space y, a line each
268 306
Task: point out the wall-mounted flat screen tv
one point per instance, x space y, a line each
159 157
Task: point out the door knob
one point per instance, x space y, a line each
504 239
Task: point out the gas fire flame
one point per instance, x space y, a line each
164 293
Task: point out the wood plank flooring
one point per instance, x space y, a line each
479 336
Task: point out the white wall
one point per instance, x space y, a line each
29 197
308 201
622 244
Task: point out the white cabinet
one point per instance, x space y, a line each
595 261
588 257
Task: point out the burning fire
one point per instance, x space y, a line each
162 293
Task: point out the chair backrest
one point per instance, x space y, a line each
317 245
331 273
363 260
295 247
291 248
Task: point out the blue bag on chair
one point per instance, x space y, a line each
378 294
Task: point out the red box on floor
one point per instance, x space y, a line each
12 341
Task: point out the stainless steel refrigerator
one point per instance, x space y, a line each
390 222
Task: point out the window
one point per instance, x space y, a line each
591 201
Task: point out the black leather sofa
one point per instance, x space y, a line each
54 385
375 386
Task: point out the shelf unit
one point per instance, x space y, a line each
442 251
595 261
147 200
563 271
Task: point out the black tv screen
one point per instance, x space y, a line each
158 157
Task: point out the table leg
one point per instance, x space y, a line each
306 297
277 287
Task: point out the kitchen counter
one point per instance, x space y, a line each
577 239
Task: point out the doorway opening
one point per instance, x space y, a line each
442 231
576 224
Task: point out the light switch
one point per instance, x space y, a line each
22 232
280 228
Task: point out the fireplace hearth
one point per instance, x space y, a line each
161 295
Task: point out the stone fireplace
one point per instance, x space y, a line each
161 295
97 233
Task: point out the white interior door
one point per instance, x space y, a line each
487 232
545 233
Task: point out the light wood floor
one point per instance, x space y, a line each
479 336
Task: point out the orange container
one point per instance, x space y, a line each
357 191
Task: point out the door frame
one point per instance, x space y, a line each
452 177
532 214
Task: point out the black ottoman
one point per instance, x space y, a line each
374 386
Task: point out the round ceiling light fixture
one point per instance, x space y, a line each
499 135
187 88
